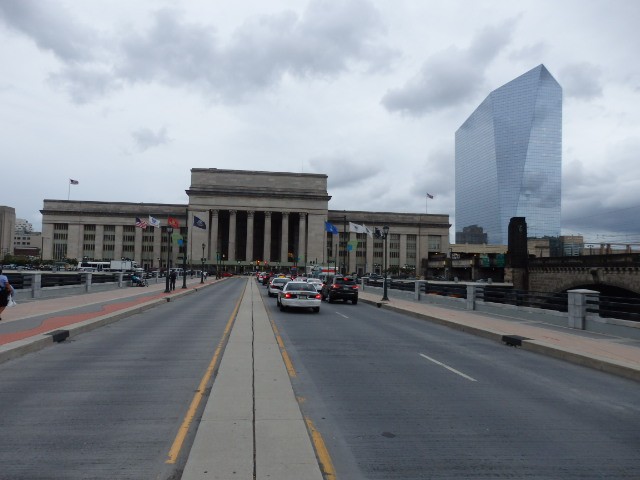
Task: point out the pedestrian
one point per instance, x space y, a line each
172 278
6 290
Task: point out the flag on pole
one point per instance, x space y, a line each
354 227
331 228
429 196
154 222
172 222
197 222
73 182
141 223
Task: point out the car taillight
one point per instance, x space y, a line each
288 295
355 287
318 296
335 285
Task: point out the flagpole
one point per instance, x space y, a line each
69 190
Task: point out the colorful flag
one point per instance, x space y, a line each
141 223
73 182
329 227
154 222
172 222
199 223
429 196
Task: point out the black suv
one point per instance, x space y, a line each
339 287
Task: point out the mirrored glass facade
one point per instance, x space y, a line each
509 159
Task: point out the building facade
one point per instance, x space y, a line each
509 158
241 220
7 230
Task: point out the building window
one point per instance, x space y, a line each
434 244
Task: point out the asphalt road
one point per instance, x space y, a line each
108 404
395 397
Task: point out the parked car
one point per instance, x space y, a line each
276 284
339 287
299 295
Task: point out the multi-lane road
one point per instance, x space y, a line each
393 397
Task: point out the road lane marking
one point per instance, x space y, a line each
448 368
178 442
324 458
342 315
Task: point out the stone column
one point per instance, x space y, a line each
302 239
403 250
284 240
369 255
213 236
232 235
250 236
267 237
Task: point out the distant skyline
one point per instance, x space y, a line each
127 97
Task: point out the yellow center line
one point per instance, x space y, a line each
178 442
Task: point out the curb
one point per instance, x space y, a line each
16 349
628 371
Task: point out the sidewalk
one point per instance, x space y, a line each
27 327
618 356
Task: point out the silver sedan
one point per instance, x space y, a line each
299 295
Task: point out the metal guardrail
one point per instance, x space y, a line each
615 307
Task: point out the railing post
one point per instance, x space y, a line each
418 289
362 284
471 297
36 285
87 281
577 307
120 279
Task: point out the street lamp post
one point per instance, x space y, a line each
169 232
184 263
385 234
203 259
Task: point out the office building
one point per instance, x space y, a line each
508 159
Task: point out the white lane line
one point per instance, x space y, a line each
448 368
342 315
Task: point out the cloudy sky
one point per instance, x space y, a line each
126 97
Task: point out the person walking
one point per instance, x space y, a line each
6 290
172 279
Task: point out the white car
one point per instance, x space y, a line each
299 295
316 282
276 284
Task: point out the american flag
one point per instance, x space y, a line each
429 196
141 223
73 182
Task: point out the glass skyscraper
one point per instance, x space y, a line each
509 160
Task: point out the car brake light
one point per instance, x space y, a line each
318 296
287 295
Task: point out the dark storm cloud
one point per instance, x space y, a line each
450 77
581 80
329 38
51 27
603 200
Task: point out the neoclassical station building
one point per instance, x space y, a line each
274 220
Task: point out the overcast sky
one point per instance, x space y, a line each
126 97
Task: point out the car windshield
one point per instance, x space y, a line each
299 286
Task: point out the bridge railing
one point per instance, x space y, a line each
579 309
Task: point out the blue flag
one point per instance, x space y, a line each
329 227
199 223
